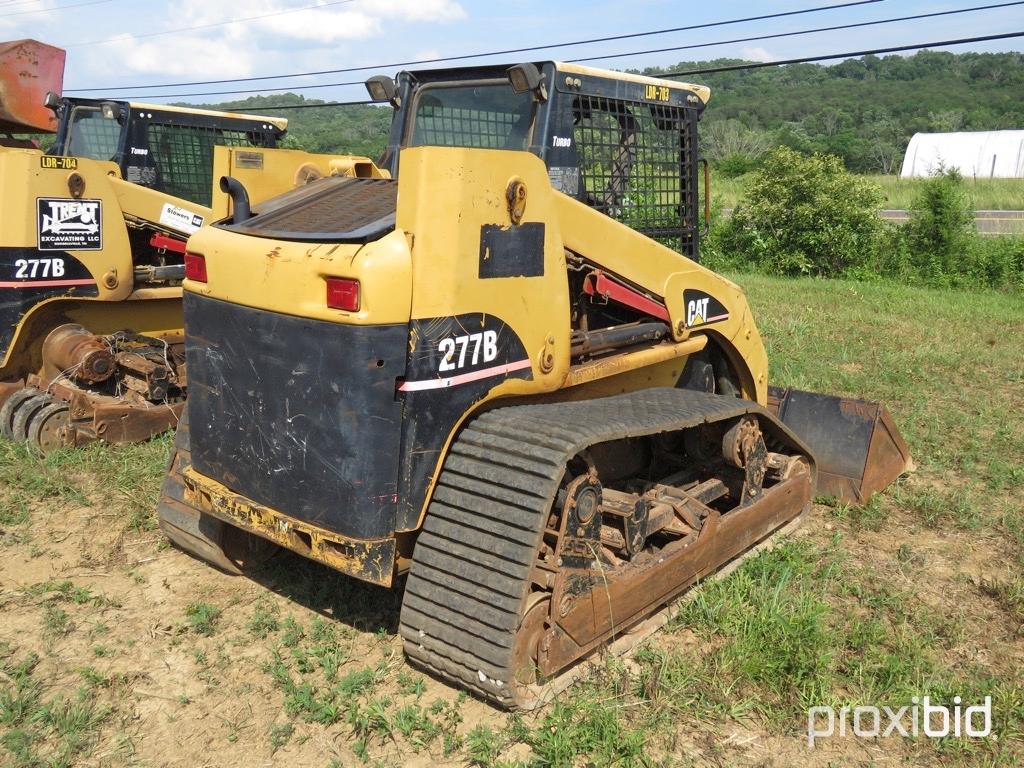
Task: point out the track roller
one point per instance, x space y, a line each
36 417
46 429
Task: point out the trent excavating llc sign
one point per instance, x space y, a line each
66 224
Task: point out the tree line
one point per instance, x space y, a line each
862 110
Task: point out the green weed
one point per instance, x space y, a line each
280 734
56 732
56 621
202 618
482 745
1008 594
263 622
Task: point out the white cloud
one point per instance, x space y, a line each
357 22
333 21
27 17
190 56
417 10
140 40
756 54
321 26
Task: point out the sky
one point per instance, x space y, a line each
134 48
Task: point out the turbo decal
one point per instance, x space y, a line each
449 351
703 309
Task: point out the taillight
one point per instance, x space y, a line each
195 266
343 294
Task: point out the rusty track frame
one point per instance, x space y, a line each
624 644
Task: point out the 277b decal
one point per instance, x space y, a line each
451 351
488 340
32 268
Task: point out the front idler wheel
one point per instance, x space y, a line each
526 650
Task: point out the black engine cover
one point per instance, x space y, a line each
296 414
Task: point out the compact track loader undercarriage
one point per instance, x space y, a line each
606 510
492 380
555 528
123 387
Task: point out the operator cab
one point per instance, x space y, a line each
621 143
169 149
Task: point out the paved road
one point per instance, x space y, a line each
987 222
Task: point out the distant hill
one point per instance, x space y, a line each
864 110
355 130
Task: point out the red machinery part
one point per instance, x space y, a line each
28 70
599 284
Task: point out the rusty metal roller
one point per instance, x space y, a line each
80 355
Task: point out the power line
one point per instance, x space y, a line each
691 46
55 8
229 93
205 26
463 57
736 67
854 54
852 25
255 110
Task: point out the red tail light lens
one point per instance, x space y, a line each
195 267
343 294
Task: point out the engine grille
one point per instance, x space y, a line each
334 209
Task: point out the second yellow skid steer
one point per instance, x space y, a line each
504 376
92 243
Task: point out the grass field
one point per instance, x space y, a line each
985 194
116 650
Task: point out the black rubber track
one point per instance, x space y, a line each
471 566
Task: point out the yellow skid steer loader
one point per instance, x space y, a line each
501 378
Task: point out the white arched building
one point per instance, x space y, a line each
977 154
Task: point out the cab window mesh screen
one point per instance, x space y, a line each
481 116
183 155
93 135
637 165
